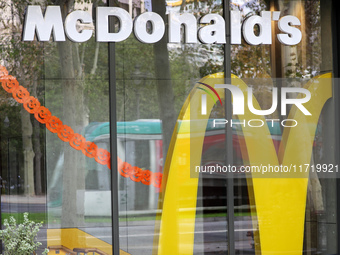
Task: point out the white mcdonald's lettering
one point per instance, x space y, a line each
209 28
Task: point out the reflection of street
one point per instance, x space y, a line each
17 203
31 208
136 237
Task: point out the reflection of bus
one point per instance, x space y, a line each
140 144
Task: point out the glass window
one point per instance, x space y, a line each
181 144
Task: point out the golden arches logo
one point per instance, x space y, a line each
280 202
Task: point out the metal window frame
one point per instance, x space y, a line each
228 133
113 141
336 71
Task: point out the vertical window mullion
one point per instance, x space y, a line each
228 132
113 141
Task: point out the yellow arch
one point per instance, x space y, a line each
280 226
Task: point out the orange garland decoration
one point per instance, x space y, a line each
66 133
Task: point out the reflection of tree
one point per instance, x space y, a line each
249 61
24 61
29 61
210 67
75 116
164 86
306 60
